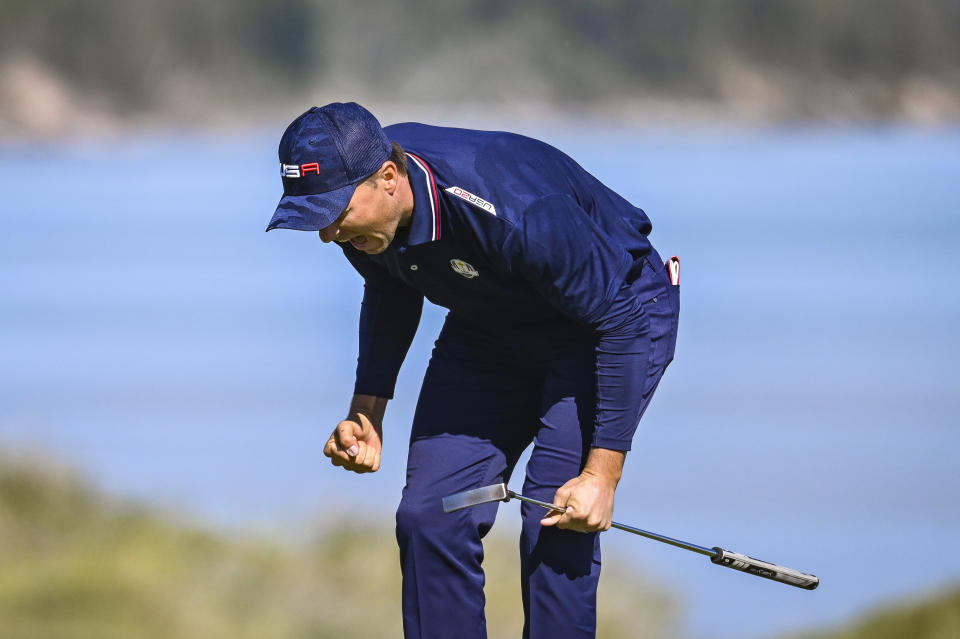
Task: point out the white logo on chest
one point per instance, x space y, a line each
476 200
463 268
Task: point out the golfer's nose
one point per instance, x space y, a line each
329 233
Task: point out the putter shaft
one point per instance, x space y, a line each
709 552
718 555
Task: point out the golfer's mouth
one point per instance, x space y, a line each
359 241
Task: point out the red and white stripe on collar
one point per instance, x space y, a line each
431 195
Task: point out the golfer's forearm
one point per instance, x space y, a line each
388 321
371 406
623 352
605 463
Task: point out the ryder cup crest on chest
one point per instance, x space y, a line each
464 268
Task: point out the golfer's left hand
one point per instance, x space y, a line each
589 496
589 502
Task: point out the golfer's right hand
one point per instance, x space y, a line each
356 444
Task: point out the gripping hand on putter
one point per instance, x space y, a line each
588 497
357 442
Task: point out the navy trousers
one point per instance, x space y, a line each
483 401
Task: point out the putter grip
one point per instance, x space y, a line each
764 569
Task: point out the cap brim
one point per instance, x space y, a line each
311 212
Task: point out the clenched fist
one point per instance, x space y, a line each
357 442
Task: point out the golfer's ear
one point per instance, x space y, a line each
390 176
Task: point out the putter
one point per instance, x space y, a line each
719 556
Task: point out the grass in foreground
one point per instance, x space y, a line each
937 617
77 565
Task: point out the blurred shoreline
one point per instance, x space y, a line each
37 104
108 68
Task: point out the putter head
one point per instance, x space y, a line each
475 497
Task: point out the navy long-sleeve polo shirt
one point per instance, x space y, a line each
512 235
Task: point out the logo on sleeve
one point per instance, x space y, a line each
476 200
464 269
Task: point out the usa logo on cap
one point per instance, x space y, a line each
298 170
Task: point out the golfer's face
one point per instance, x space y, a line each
369 222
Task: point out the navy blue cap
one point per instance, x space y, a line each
324 154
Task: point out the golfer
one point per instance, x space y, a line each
562 318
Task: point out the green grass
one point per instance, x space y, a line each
76 564
934 617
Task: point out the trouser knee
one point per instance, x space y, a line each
413 517
564 552
422 516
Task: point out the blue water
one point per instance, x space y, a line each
153 335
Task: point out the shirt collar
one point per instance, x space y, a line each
425 225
